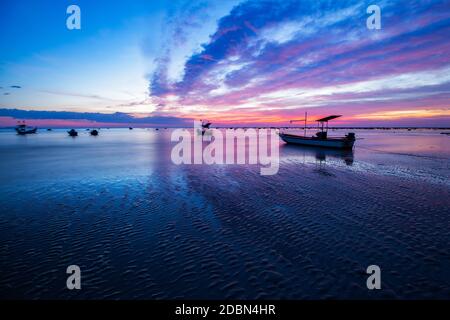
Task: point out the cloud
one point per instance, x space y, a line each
76 94
186 26
288 55
118 118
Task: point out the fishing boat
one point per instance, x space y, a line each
22 129
72 133
321 138
205 128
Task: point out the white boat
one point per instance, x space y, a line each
321 138
204 128
340 143
22 129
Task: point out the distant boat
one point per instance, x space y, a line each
72 133
130 128
94 133
205 124
22 129
205 128
321 138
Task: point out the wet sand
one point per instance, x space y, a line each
141 227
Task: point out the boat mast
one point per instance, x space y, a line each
306 117
298 120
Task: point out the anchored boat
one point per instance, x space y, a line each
205 126
72 133
321 138
22 129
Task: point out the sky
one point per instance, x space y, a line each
237 62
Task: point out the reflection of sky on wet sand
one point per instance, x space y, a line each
126 214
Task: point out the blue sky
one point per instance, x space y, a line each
88 69
229 60
102 67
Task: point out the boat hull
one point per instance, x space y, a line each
26 131
335 143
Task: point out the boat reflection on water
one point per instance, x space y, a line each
321 155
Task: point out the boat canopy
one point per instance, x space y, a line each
328 118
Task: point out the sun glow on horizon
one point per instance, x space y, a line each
405 114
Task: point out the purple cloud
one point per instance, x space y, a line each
316 49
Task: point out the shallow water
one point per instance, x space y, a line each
141 227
